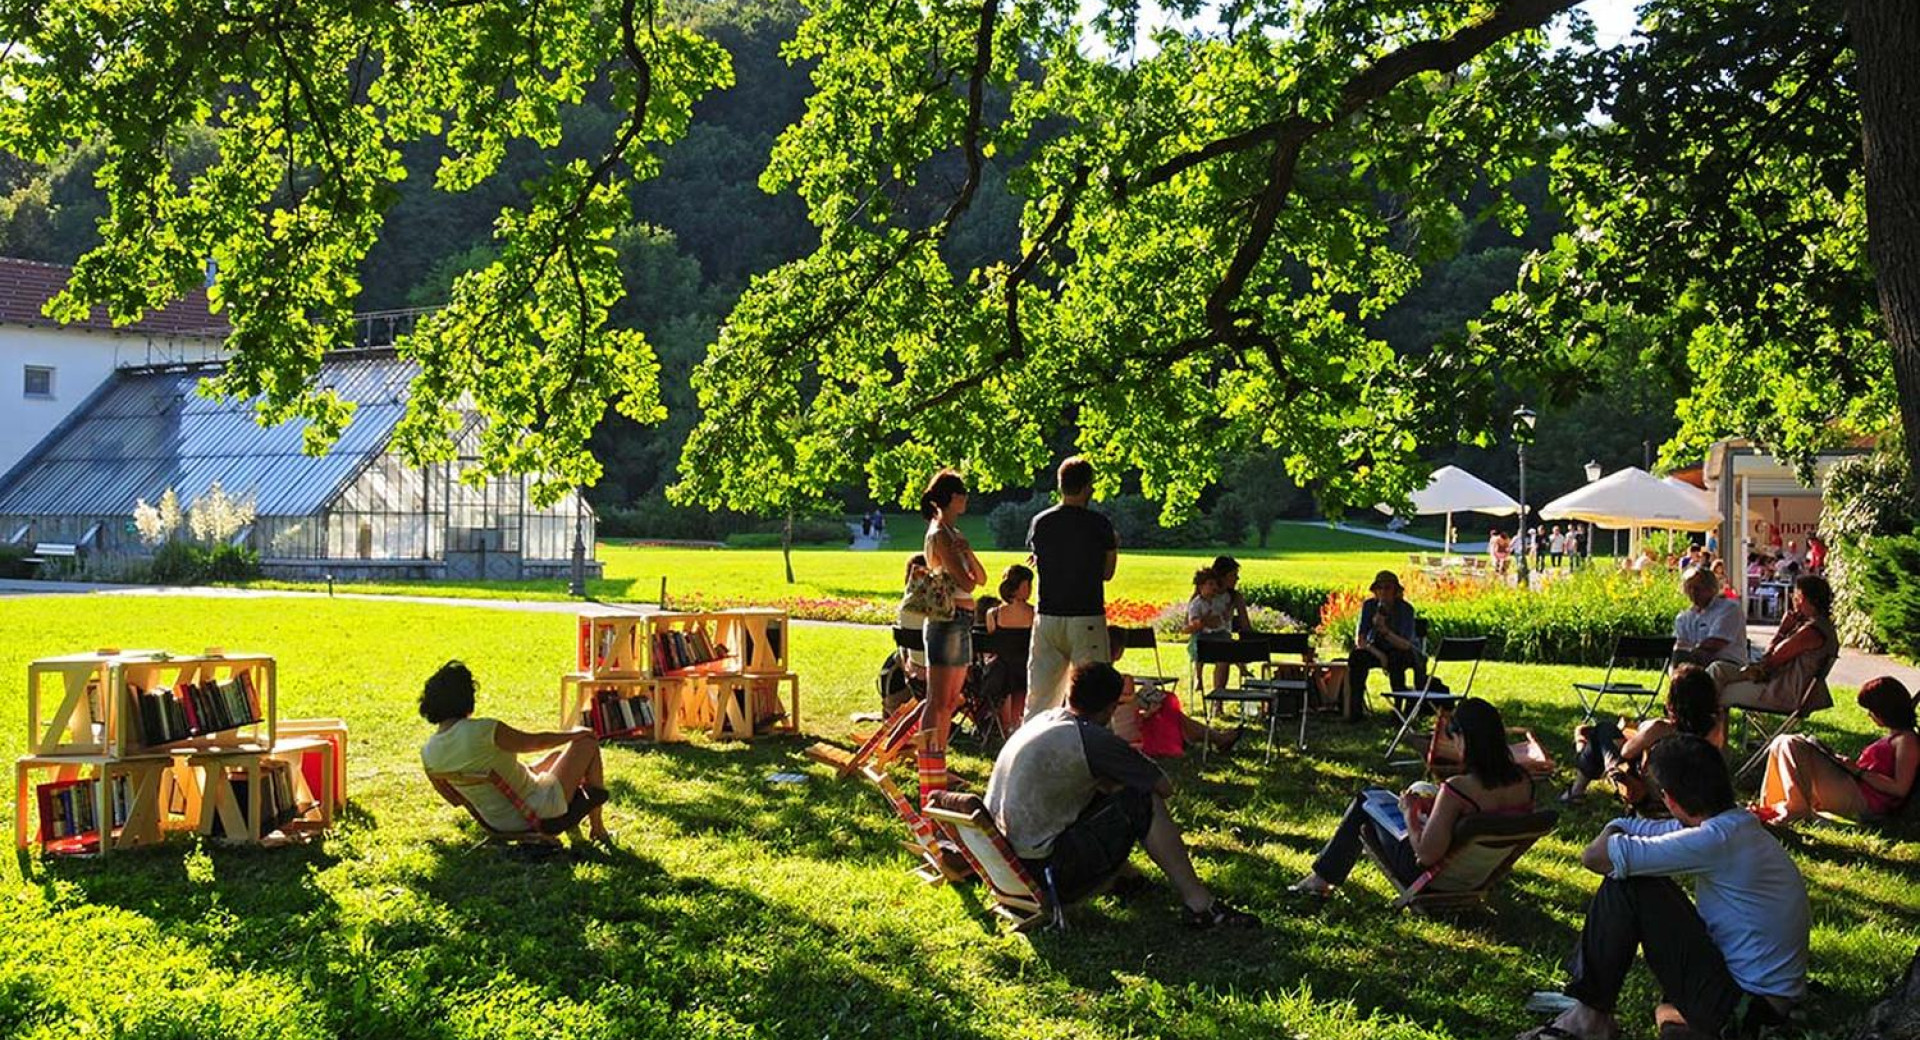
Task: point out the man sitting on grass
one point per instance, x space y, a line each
1072 799
1734 964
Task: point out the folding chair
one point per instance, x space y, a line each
1145 639
1251 650
1814 697
886 744
1630 653
1003 648
1298 687
937 865
1408 705
1016 894
453 788
1485 848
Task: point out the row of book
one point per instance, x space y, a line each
191 710
675 649
610 715
278 806
68 810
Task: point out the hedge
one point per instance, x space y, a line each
1891 572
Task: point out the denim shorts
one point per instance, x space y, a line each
950 643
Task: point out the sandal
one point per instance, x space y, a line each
1217 915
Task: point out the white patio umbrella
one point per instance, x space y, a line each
1634 498
1453 490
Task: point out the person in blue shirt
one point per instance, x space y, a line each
1728 961
1385 640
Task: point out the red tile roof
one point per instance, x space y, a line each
27 285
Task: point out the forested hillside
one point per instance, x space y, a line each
705 228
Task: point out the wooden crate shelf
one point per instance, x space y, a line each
255 672
71 703
140 799
610 642
578 692
238 788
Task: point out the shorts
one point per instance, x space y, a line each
1095 845
950 643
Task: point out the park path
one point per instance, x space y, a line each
1853 668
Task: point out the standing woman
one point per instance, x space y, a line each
950 641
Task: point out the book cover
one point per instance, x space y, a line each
1383 806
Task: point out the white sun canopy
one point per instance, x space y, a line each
1634 498
1453 490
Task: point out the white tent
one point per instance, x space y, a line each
1634 498
1453 490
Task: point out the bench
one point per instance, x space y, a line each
45 551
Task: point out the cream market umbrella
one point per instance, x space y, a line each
1453 490
1634 498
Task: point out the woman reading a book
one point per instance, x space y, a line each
1804 778
1619 750
1492 783
560 788
949 640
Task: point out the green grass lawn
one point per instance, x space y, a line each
1301 552
734 907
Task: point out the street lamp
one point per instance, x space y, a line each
578 586
1523 420
1593 474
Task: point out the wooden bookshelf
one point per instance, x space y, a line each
611 642
138 800
255 674
742 707
760 639
658 700
242 789
70 706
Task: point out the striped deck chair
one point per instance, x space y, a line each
1017 896
887 743
1485 848
452 787
938 865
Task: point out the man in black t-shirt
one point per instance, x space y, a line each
1073 799
1074 551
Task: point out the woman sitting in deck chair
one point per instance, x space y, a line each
1493 783
1805 778
558 789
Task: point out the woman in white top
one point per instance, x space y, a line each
949 641
559 788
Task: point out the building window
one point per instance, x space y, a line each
39 381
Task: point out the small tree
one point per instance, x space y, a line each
217 516
157 524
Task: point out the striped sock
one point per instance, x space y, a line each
933 773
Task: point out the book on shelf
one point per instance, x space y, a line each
610 715
188 710
68 810
278 806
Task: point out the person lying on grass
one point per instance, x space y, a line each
1492 783
1073 799
1729 961
1607 748
560 788
1804 778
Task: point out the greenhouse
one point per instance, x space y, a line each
356 512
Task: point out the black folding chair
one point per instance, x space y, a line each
1815 697
1630 654
1004 650
1144 639
1409 705
1251 650
1289 689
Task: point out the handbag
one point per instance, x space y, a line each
930 595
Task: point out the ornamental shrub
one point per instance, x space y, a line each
1891 570
1866 497
1294 599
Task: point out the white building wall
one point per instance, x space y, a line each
81 359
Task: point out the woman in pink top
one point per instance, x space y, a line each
1804 778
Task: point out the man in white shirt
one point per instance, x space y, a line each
1735 955
1714 628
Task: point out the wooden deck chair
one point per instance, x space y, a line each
937 865
1753 718
1630 654
894 735
1251 650
1409 705
1017 895
453 787
1485 848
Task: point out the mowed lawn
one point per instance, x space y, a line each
733 907
1295 552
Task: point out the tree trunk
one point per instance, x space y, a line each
1886 37
786 544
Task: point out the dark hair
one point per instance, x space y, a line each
1483 744
1888 699
448 693
1010 582
916 560
1203 574
940 491
1095 688
1693 700
1693 774
982 604
1225 565
1075 475
1819 594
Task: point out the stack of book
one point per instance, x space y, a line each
191 710
676 649
68 817
610 715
